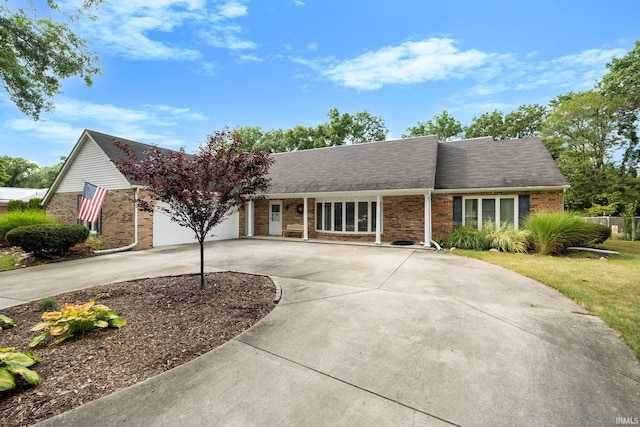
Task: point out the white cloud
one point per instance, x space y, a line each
233 9
143 30
126 122
409 62
574 72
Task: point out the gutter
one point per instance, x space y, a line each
135 226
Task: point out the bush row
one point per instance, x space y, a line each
545 233
56 238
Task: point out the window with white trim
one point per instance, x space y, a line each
499 210
346 216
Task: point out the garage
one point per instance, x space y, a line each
167 232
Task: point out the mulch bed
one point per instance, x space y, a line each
169 322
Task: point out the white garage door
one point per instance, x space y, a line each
167 232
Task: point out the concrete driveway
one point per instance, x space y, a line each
368 336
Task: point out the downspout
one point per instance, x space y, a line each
135 228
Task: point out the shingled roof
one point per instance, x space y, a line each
386 165
485 163
421 163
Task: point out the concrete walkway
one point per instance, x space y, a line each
368 336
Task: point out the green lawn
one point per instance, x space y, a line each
609 289
7 262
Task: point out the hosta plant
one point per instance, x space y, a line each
14 363
6 320
75 319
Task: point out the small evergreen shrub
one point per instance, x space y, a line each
56 238
468 238
34 205
11 220
16 206
506 238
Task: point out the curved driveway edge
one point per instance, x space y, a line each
369 336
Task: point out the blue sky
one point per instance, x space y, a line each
175 71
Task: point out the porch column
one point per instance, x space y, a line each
305 231
378 220
427 219
250 218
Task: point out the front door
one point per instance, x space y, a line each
275 217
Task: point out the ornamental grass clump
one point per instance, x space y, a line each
15 219
14 363
506 238
553 232
75 319
468 238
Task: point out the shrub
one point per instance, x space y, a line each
94 242
6 320
16 206
14 363
468 238
56 238
506 238
74 319
554 232
34 204
48 304
11 220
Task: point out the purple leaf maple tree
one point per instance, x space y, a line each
200 190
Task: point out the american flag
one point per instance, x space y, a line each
91 202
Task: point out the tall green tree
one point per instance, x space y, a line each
444 125
524 122
36 54
18 170
43 176
623 82
339 130
3 175
487 124
581 134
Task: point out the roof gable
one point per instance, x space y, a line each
485 163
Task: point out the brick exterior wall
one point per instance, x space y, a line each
403 216
117 218
442 208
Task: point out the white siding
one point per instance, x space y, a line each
167 232
91 164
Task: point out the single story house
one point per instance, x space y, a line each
415 189
8 194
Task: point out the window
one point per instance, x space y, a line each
500 210
353 216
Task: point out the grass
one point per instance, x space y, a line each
609 289
7 262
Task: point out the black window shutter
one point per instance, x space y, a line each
523 207
457 211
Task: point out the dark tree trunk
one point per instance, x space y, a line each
201 264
